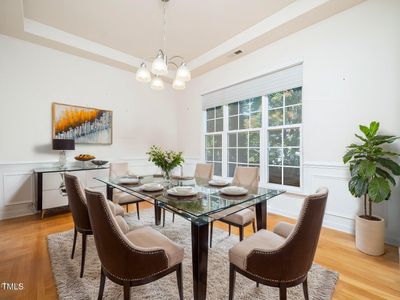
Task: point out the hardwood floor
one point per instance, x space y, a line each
24 259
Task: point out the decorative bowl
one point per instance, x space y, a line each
99 163
84 157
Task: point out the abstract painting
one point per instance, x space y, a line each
83 124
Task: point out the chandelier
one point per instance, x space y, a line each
159 66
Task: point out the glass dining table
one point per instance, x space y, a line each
208 205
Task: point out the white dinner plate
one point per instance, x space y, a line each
218 182
234 190
182 191
152 187
128 180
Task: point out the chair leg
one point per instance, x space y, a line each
232 277
211 233
83 253
282 293
137 210
229 229
305 289
254 226
163 220
179 280
127 207
173 217
102 283
241 233
73 246
127 290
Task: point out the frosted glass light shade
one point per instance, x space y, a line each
157 84
178 84
159 65
183 73
142 74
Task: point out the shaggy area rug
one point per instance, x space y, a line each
321 281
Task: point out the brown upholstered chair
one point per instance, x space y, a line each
281 258
118 169
203 171
135 258
77 204
248 177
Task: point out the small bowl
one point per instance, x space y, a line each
99 162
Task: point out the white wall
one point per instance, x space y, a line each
32 77
351 76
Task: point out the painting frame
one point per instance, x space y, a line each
55 106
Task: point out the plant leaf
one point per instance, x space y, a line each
348 156
361 138
358 186
373 128
364 130
378 189
389 164
386 175
367 169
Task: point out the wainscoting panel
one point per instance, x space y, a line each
18 188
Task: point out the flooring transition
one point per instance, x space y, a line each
24 259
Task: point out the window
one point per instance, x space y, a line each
244 134
213 139
262 132
284 120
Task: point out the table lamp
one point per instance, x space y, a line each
62 145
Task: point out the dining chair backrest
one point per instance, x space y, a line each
294 258
117 254
246 176
204 171
119 169
77 202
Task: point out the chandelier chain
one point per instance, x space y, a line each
164 26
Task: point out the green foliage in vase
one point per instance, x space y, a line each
371 167
165 160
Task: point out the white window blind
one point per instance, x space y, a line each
283 79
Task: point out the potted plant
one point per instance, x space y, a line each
165 160
372 173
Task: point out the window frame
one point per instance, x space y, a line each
263 130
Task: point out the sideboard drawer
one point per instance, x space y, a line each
53 198
52 181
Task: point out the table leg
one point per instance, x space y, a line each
199 260
110 192
261 215
157 213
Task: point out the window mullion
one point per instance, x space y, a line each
225 141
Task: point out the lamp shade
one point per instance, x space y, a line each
178 84
159 65
183 73
157 84
142 74
63 144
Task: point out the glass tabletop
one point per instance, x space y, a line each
207 205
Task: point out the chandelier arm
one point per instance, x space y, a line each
172 63
179 57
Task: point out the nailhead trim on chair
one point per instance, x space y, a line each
129 247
